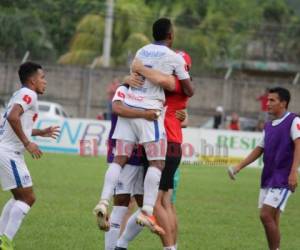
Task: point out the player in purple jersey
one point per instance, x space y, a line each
280 147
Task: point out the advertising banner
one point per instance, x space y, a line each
200 146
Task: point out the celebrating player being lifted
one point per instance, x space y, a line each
128 132
16 127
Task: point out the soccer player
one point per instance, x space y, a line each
176 100
151 134
16 127
280 147
130 182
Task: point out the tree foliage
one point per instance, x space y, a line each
211 30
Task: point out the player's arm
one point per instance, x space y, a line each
124 111
188 87
253 156
295 135
293 177
167 82
51 132
14 119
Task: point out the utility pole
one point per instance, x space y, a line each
108 32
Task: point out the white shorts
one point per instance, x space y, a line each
149 133
274 197
131 180
13 171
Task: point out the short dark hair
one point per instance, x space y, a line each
284 94
27 69
161 28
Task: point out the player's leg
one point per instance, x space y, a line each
119 210
123 151
124 145
161 212
173 200
272 204
173 159
268 219
132 229
123 192
14 176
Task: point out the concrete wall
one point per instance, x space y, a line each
69 86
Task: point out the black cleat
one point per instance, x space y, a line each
120 248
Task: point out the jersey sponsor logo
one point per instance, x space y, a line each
27 99
35 117
121 94
134 97
298 126
147 53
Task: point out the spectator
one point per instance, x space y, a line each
234 122
110 91
263 99
218 117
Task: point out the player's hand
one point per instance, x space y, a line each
232 171
135 80
52 132
136 65
180 114
293 181
152 114
34 150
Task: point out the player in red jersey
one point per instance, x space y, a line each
176 102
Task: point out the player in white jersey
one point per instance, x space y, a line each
128 132
16 127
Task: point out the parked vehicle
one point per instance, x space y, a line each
51 110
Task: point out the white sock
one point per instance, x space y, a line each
151 185
131 231
110 181
170 248
5 215
176 245
16 216
116 218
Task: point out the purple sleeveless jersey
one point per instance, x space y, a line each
278 154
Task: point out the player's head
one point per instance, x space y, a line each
32 75
187 58
162 30
278 100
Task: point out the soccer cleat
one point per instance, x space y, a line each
231 172
5 243
149 221
101 212
120 248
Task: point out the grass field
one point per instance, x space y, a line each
214 213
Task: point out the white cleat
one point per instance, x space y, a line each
101 212
231 172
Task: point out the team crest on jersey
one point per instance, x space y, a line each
298 126
27 99
120 94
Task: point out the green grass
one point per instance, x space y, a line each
214 213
